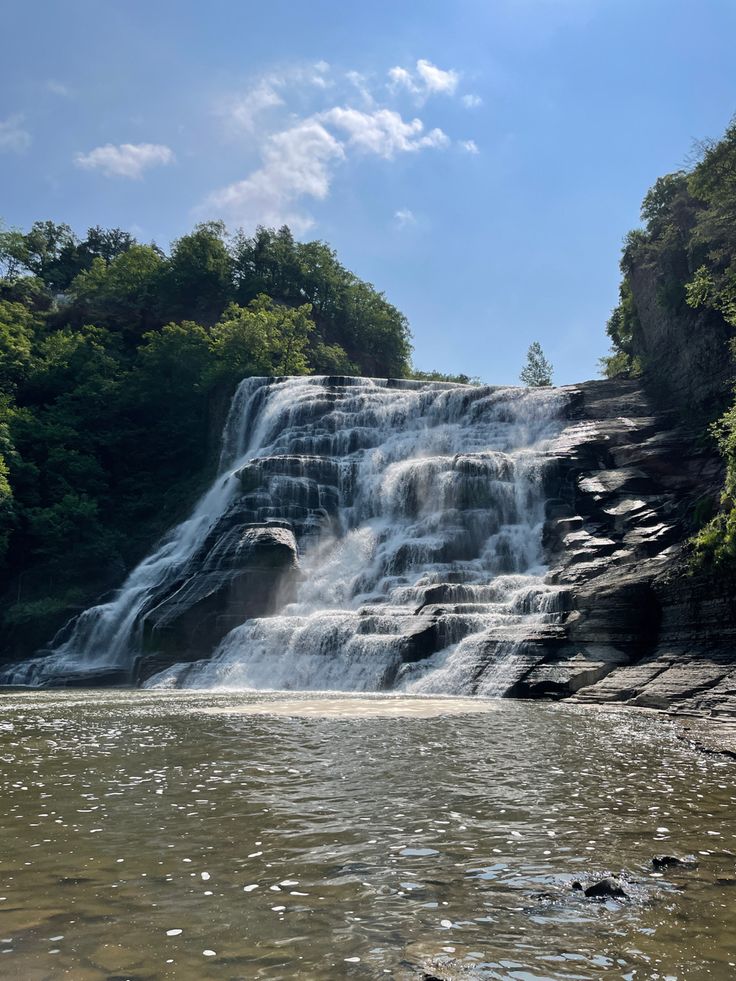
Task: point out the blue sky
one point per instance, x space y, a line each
478 160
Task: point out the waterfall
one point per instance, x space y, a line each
417 509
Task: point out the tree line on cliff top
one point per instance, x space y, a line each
688 241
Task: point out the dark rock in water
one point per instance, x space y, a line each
660 862
98 678
577 886
608 888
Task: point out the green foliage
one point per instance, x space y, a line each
262 338
199 275
331 359
23 613
366 333
17 327
122 294
116 364
442 376
537 370
715 544
623 329
54 254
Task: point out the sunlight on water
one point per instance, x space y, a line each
200 835
358 707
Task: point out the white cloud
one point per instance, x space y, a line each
435 79
425 80
470 146
126 159
242 111
296 164
404 217
383 131
300 158
471 101
13 137
299 162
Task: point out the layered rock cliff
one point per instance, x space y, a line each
639 626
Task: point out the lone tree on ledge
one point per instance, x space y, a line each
537 371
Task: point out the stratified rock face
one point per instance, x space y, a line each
640 627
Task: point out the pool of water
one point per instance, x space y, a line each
199 835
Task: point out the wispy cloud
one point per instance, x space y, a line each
404 217
296 163
14 138
361 84
471 100
56 87
126 159
470 146
425 79
242 112
299 160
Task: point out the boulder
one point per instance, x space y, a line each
660 862
608 888
250 571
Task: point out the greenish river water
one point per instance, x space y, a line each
200 835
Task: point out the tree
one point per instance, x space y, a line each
537 372
124 294
198 281
263 338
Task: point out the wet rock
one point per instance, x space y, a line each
608 888
247 571
660 862
100 678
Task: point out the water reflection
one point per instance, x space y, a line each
192 835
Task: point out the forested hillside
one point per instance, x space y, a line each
676 320
117 361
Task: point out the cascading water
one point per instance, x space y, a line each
418 512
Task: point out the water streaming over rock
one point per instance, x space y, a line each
416 512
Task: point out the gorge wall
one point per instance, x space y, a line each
640 625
